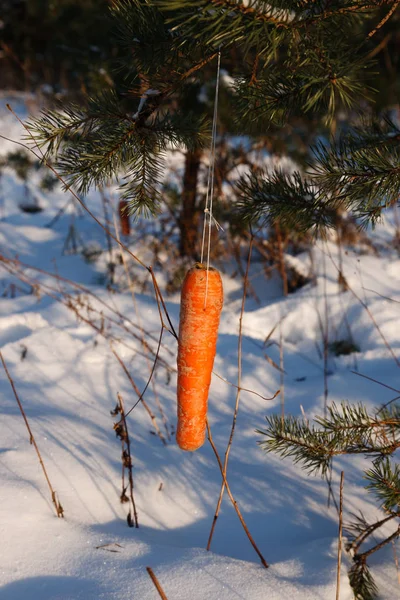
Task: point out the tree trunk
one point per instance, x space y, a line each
189 217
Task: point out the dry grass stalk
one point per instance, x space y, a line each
364 305
157 584
236 253
324 330
396 561
282 371
121 430
151 374
325 337
340 536
54 499
111 264
234 503
235 413
281 259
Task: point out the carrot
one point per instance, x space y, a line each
124 217
198 332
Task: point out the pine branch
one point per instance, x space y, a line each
291 199
360 530
290 437
363 168
362 582
71 121
360 577
93 146
346 430
309 60
312 87
384 482
282 14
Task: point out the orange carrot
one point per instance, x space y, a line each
124 217
198 332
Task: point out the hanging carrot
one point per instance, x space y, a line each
124 217
198 332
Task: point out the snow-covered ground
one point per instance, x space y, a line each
67 379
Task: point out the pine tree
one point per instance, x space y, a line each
296 64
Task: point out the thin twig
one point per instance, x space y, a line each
127 463
160 298
140 395
281 260
396 561
363 535
380 295
54 499
385 18
111 265
325 341
324 328
376 326
364 555
331 495
234 503
387 404
235 413
246 389
156 583
389 387
151 373
340 536
282 371
371 316
382 44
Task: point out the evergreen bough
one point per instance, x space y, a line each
290 60
348 429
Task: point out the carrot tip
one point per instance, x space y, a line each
188 447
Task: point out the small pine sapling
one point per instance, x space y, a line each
348 429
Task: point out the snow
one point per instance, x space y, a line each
68 380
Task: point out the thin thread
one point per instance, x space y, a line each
208 210
212 158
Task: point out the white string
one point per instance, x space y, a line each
208 210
